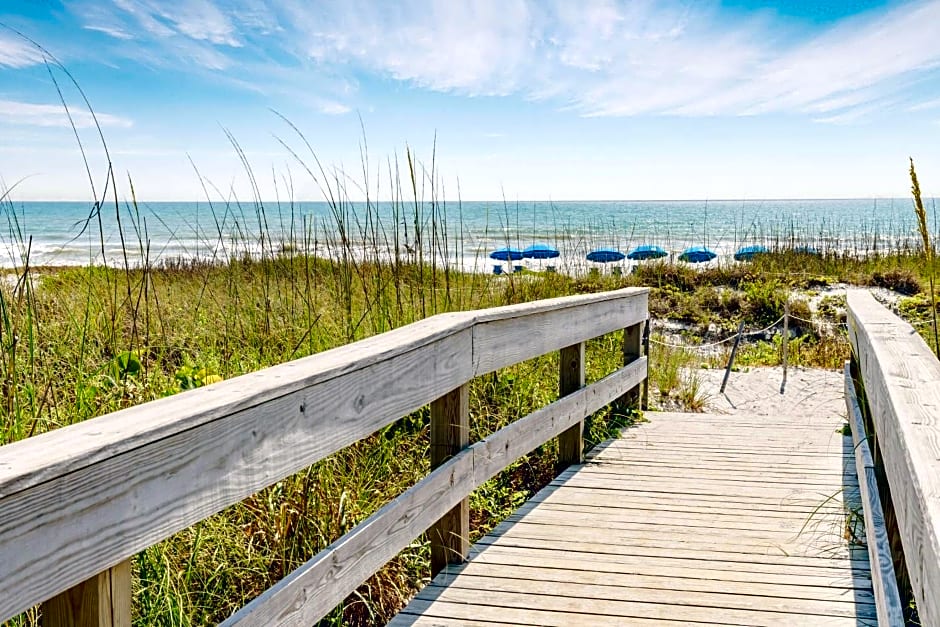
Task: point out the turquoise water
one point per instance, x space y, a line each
69 233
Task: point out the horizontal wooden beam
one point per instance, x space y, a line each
883 580
901 377
508 335
81 499
308 593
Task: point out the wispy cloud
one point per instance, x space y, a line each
604 58
16 52
32 114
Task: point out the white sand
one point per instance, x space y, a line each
809 391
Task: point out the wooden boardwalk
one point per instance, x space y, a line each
690 518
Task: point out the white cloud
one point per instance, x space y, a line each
627 58
27 113
604 58
18 53
116 32
200 20
333 108
925 105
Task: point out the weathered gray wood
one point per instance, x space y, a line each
786 344
734 351
901 378
740 537
497 451
548 609
507 335
597 586
441 611
311 591
571 379
627 515
50 534
102 601
669 568
884 580
77 446
633 350
645 397
147 472
450 433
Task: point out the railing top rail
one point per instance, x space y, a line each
901 378
82 498
67 449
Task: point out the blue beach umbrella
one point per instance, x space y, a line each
540 251
506 254
605 255
749 252
647 251
697 254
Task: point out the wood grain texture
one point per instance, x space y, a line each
571 379
500 449
311 591
504 336
755 543
101 601
308 593
450 433
50 535
884 580
901 379
152 470
633 350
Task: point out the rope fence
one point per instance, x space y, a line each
730 338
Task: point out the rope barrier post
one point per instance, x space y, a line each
786 342
734 350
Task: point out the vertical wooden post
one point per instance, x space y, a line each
450 432
633 350
571 379
101 601
734 351
786 342
645 394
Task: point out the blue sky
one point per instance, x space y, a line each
528 99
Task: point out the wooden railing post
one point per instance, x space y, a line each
633 350
450 432
101 601
571 379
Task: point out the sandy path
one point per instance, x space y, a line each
809 392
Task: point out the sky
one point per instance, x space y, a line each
515 99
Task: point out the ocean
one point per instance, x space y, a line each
463 234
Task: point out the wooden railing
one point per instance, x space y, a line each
896 426
78 503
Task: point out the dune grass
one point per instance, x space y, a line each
76 343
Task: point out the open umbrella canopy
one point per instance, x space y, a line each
647 251
697 254
605 255
749 252
506 254
540 251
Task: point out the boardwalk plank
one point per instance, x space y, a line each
686 519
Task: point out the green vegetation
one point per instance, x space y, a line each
80 342
76 343
928 252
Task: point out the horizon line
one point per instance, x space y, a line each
491 200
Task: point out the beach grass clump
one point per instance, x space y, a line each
928 251
76 343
